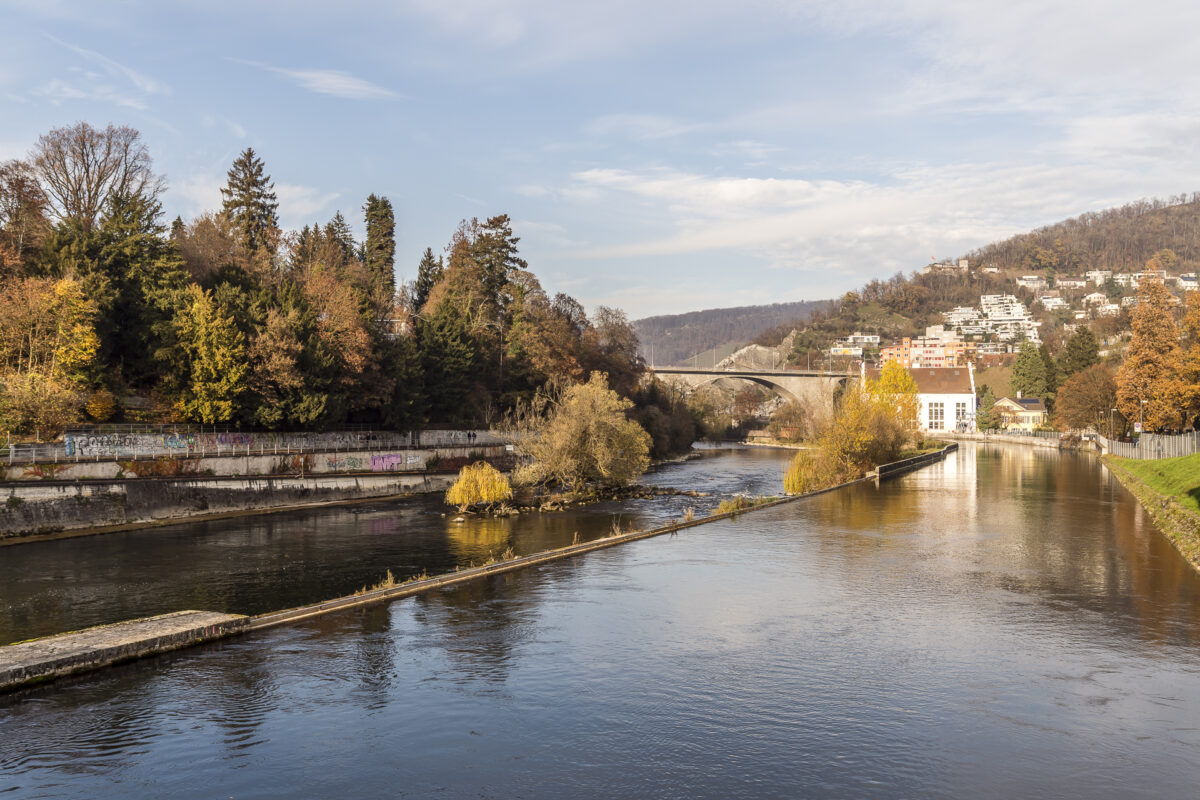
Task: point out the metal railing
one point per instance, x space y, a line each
1153 446
79 447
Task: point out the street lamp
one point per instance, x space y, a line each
1111 433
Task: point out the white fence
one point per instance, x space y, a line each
1152 445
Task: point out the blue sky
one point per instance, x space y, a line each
658 157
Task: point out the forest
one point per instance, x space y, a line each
113 313
1118 239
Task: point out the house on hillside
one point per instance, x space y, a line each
1020 413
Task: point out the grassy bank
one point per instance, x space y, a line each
1168 488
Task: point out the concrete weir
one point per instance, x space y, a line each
79 651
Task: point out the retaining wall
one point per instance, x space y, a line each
29 508
267 463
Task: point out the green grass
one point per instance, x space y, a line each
1172 477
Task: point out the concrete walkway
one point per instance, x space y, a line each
78 651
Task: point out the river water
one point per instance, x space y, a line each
1003 624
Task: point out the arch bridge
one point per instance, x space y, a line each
816 389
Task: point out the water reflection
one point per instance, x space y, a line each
1003 625
252 565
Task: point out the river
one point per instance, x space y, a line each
1004 624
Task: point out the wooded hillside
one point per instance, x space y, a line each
1118 239
672 339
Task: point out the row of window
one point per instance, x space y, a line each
937 415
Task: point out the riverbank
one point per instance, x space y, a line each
422 585
1169 490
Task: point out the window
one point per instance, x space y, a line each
960 415
937 416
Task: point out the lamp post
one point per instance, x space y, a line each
1111 432
1141 412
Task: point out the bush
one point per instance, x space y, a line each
479 484
586 438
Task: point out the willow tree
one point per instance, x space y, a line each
587 439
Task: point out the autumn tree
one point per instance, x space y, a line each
1190 362
248 200
1148 384
896 391
216 359
587 438
23 221
81 167
1086 398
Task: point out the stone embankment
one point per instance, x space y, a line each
53 656
42 498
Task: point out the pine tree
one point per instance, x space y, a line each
495 250
985 419
337 231
1051 375
1080 352
1149 388
249 200
448 361
429 272
379 250
1029 372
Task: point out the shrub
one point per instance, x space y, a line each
479 484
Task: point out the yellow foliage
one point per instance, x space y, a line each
479 484
100 405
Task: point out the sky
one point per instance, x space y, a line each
658 157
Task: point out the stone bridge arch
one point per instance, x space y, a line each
816 389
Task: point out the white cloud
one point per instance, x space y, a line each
59 91
299 205
140 81
639 126
332 82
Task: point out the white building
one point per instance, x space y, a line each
1188 282
1098 277
1126 279
1035 282
947 398
1108 310
1095 299
1050 303
1070 283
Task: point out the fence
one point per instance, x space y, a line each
80 446
1152 445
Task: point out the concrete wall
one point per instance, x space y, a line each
254 464
43 507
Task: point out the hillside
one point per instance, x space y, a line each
676 338
1118 239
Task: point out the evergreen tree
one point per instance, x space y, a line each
1051 375
985 416
1080 351
379 250
448 361
337 232
249 200
1029 372
429 273
495 251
